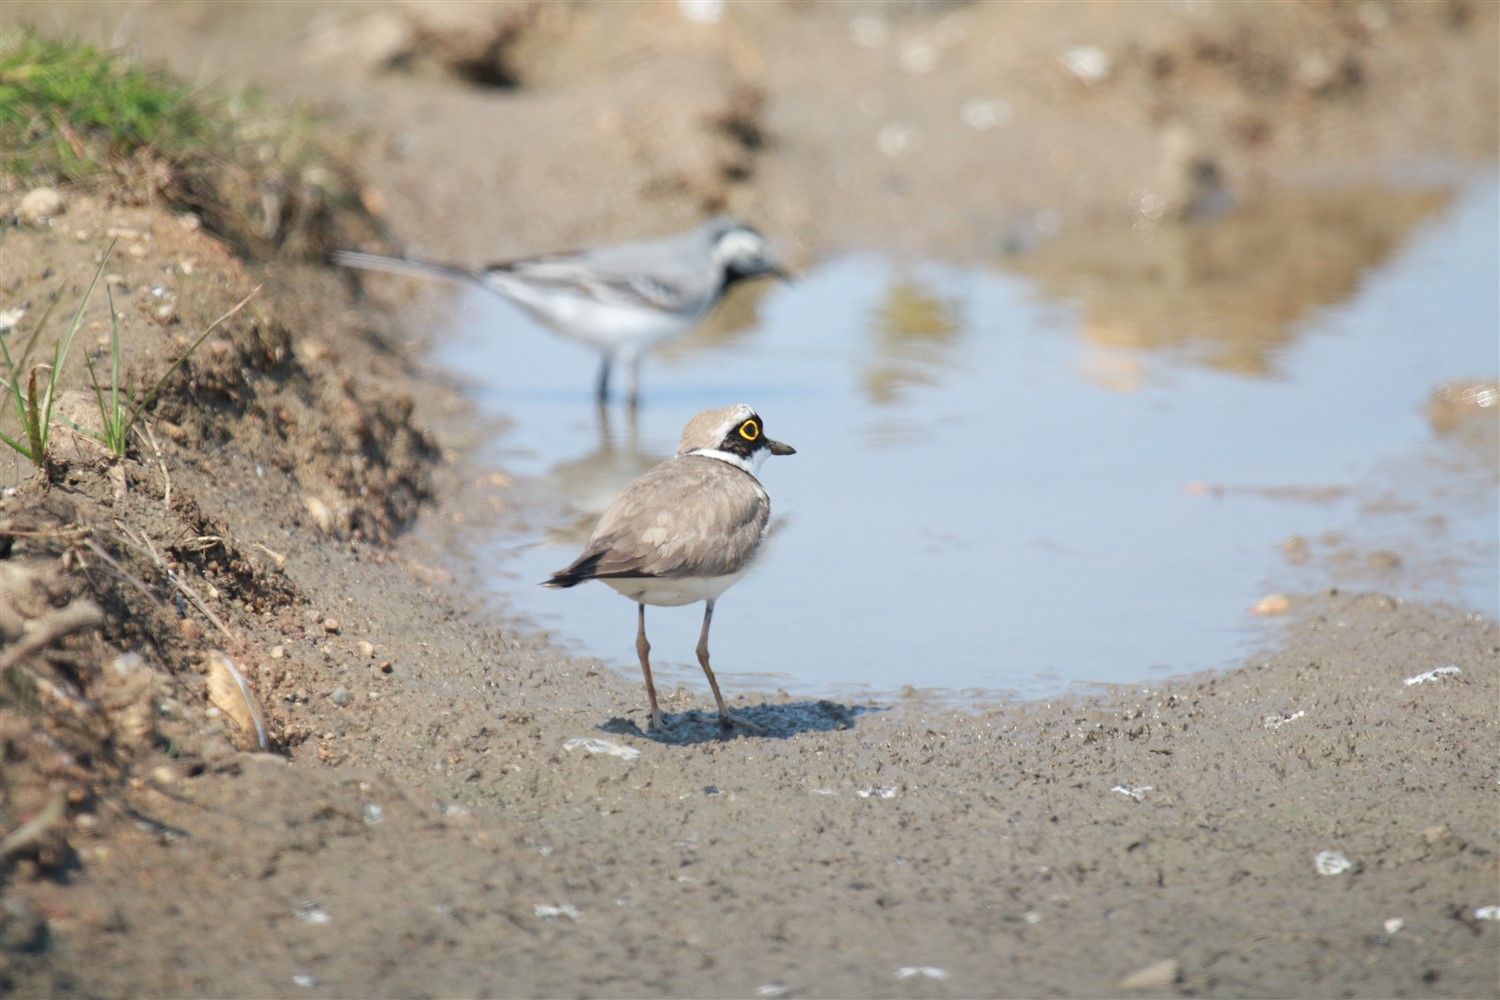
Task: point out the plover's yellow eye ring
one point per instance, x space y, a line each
750 430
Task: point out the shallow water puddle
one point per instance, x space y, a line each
1084 468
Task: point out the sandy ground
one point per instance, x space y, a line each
451 807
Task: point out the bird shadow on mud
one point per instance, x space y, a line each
776 722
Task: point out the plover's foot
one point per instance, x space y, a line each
728 721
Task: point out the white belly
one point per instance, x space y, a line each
608 326
673 592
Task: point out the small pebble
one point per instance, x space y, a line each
1156 976
1089 63
366 650
1437 834
341 696
277 652
128 663
1271 604
330 624
41 204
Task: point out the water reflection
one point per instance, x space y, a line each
590 481
916 334
1232 292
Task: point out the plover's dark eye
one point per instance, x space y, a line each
750 430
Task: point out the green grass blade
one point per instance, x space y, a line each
65 343
36 431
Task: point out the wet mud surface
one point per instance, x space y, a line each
448 805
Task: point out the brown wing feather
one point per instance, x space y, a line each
689 516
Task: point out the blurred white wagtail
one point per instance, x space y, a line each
620 298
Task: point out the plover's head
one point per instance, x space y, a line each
734 434
741 251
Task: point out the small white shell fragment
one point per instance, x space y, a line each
981 114
1136 793
925 971
10 317
1393 924
701 11
874 792
1431 675
594 744
1089 63
919 57
1487 913
1331 863
303 981
1276 722
311 912
772 990
896 138
549 911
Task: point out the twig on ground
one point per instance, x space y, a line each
121 571
144 544
44 631
33 828
144 429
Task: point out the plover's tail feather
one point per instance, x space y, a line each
582 569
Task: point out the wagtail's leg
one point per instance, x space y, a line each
601 388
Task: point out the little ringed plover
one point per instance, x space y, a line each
685 531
